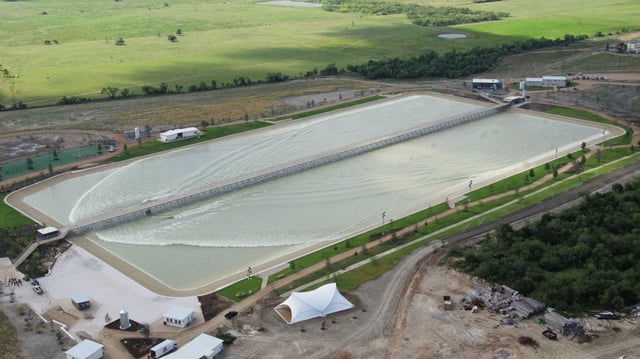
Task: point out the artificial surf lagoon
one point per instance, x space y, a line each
204 242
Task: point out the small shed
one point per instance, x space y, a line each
448 304
47 232
80 300
486 84
179 316
202 346
86 349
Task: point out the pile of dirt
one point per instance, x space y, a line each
213 304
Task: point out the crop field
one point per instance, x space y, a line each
223 40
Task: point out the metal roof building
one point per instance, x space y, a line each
80 300
179 316
202 346
86 349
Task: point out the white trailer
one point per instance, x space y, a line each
162 349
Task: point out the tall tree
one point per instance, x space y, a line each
145 330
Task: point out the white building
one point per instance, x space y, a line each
202 346
179 134
179 316
554 81
86 349
489 84
633 46
47 232
546 81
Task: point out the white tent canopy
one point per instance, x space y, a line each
320 302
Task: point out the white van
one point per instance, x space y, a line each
163 348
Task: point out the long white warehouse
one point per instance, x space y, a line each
179 134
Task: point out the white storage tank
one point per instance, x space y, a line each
124 320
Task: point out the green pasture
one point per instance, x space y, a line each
553 19
224 40
9 217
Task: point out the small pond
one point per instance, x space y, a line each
452 36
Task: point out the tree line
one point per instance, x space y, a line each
579 259
423 15
454 63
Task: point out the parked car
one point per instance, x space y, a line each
112 148
37 289
231 314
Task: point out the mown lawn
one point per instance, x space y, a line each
9 217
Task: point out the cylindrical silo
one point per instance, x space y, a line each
124 319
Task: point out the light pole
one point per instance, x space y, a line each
249 271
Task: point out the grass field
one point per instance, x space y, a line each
224 40
9 217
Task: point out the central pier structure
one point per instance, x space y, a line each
219 188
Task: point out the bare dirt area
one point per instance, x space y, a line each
458 333
17 146
385 326
170 111
37 339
